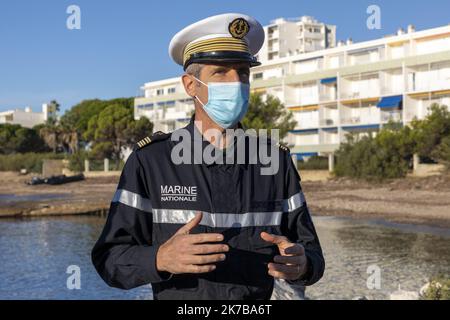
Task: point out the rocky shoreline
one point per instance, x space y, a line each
424 201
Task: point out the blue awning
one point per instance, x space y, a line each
328 80
390 102
301 156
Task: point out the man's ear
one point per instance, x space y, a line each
189 85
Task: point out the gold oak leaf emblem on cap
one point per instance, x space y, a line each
239 28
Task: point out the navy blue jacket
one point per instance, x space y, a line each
155 197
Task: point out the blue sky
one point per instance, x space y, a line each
123 44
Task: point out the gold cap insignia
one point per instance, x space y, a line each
239 28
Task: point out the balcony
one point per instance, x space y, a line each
391 116
328 93
329 122
351 120
273 34
363 119
361 91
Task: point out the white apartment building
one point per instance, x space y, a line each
351 88
287 37
26 117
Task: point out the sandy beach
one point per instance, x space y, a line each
424 201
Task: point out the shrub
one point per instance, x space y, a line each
387 156
30 161
438 289
76 161
314 163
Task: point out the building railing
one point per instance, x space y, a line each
430 85
328 122
306 125
373 92
351 120
328 97
392 116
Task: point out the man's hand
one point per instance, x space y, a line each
292 263
189 253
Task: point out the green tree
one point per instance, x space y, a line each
114 128
17 139
442 151
54 106
268 114
75 122
431 134
79 115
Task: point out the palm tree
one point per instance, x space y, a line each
52 132
49 132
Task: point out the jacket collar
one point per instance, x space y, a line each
197 137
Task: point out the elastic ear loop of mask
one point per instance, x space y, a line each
204 85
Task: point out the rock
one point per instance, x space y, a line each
404 295
360 298
285 291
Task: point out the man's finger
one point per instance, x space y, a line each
272 238
199 269
205 259
288 260
281 275
208 248
283 268
296 249
191 224
204 237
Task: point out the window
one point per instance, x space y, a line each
171 90
258 76
159 92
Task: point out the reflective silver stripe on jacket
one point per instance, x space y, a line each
293 203
219 220
132 199
214 220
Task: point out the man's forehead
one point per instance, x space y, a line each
228 65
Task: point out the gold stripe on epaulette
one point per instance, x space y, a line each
144 142
282 147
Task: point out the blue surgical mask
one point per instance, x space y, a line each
227 102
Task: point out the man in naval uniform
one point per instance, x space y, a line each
209 230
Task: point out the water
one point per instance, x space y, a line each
406 255
5 198
35 254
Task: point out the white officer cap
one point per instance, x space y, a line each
232 37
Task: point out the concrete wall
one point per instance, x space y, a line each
53 167
426 170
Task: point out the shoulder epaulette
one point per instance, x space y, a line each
283 147
159 135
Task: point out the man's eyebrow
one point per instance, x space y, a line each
219 68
